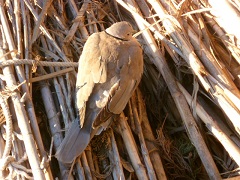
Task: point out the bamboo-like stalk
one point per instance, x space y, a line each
96 166
144 150
18 144
54 122
131 148
40 20
85 165
207 58
65 95
74 11
61 101
51 75
21 77
18 28
117 169
228 19
45 32
88 153
22 116
77 22
196 65
24 125
26 39
225 39
233 149
29 104
148 135
216 71
80 169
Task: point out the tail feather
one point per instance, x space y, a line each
74 143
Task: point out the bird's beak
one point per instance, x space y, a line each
134 32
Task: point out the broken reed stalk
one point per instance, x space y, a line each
197 67
40 20
86 167
46 32
88 153
61 100
80 171
68 103
150 139
51 75
144 150
117 169
52 114
230 25
214 66
26 40
131 147
78 22
53 119
211 124
224 38
219 78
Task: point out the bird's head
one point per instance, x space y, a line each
121 30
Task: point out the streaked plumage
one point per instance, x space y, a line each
110 69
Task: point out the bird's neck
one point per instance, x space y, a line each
115 37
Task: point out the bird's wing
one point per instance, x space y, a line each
130 76
91 70
131 69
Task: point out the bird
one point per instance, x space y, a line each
110 69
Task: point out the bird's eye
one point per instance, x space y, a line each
128 34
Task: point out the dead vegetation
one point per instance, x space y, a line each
182 123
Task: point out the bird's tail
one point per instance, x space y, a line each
74 143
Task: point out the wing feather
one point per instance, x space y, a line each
130 75
121 97
91 70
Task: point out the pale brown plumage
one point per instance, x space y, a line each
110 69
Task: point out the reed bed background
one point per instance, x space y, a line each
183 122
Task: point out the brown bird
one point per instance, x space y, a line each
110 69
